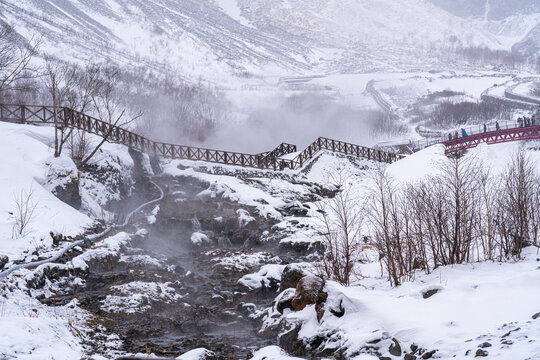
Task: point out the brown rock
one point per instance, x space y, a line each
290 277
395 348
307 292
481 353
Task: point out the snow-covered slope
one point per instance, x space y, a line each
456 312
489 9
530 45
27 166
30 175
219 39
367 23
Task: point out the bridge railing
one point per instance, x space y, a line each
271 160
342 147
470 130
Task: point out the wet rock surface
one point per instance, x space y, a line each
167 294
69 193
3 261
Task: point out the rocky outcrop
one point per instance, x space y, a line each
310 291
290 276
69 193
3 261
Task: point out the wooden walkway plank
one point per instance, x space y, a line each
270 160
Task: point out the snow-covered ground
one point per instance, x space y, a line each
27 165
491 306
474 304
29 329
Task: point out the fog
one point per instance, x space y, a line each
258 126
299 120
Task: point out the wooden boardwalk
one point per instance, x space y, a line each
35 114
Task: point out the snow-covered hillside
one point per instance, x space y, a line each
455 312
217 40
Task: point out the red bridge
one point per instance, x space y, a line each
491 134
492 137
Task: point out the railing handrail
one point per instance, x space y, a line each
470 130
268 160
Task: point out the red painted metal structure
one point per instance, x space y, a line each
492 137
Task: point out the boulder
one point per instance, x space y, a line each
481 353
284 300
3 261
395 348
310 291
430 291
198 354
290 277
296 209
69 193
429 354
288 337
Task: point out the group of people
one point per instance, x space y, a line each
525 121
464 132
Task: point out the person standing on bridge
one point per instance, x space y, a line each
497 126
456 135
463 132
450 137
520 122
485 127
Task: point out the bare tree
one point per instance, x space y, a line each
430 223
24 208
86 87
518 203
15 60
535 91
60 82
384 220
341 219
486 226
105 101
92 88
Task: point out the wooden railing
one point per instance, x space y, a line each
67 117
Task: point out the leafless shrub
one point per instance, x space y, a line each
518 204
486 226
482 55
386 125
461 215
430 223
447 114
341 219
177 111
400 226
535 91
79 146
386 223
23 213
15 57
